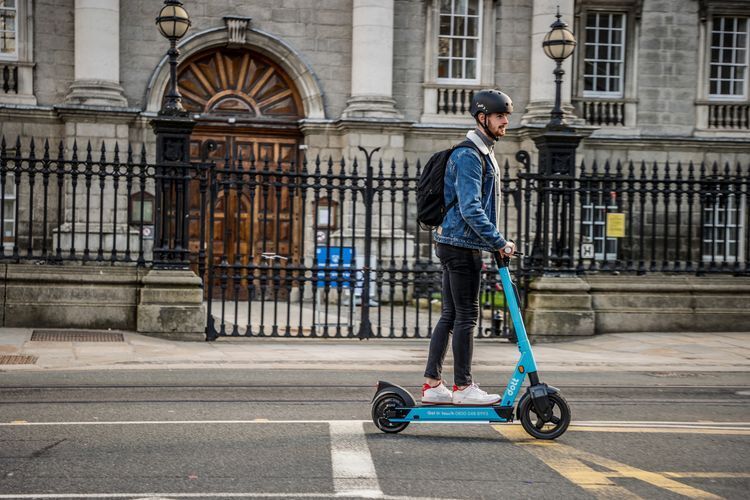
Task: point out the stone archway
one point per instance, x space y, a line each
274 48
238 83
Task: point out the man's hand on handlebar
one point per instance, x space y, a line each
508 250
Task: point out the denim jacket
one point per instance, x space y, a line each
471 223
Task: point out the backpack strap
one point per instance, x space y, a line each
465 144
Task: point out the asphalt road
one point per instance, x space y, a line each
299 434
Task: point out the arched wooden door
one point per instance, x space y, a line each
250 108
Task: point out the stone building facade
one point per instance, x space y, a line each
651 80
370 72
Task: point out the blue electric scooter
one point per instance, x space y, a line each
542 410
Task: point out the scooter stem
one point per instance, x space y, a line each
526 363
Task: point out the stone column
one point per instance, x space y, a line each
542 81
97 54
372 61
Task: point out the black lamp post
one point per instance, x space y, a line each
558 45
554 239
172 127
173 22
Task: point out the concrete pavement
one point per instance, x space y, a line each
664 352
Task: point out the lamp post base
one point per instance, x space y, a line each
172 180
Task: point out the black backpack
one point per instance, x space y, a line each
431 206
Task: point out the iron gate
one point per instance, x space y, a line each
350 261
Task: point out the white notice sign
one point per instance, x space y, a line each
587 250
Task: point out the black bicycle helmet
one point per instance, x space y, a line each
490 101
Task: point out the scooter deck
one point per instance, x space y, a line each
451 413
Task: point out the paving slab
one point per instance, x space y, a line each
688 351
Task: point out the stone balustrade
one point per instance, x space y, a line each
732 116
603 112
10 78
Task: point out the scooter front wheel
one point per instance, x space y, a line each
536 426
382 405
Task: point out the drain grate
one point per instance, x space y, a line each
75 336
17 359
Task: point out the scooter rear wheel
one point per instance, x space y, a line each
533 423
383 404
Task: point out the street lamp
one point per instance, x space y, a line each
558 45
555 212
173 22
172 128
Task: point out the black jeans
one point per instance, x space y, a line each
462 271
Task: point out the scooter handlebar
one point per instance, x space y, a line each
502 259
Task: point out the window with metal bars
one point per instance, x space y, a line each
8 29
728 58
9 210
604 56
593 225
723 228
459 41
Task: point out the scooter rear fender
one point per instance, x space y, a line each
388 388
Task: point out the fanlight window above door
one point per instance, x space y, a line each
237 82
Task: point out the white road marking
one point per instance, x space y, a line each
165 496
174 422
177 496
700 424
353 470
737 426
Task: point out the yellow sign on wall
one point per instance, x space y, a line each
615 225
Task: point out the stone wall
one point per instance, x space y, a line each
668 67
562 308
408 57
163 303
70 296
54 52
513 53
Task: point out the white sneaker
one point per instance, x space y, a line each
439 395
472 395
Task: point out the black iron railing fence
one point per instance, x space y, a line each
635 217
331 248
74 206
